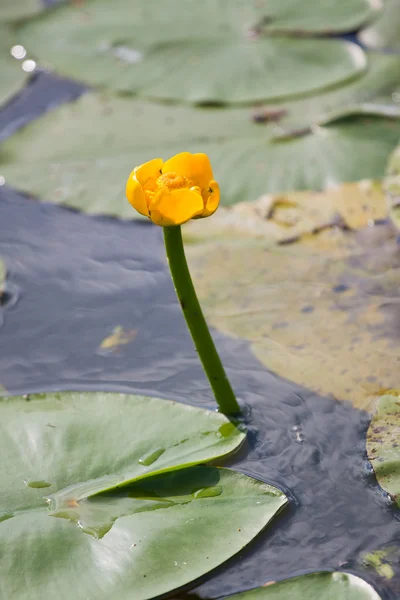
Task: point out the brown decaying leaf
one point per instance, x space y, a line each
323 311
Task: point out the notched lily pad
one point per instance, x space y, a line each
324 586
383 444
62 167
127 510
208 52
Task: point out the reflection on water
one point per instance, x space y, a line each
79 277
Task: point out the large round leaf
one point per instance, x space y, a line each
123 513
383 444
227 70
201 53
385 31
321 586
153 537
81 154
125 438
12 75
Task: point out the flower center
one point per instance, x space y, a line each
173 181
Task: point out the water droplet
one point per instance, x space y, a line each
209 492
28 66
129 55
18 52
37 484
150 457
4 515
227 429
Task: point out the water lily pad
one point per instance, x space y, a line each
137 436
383 444
376 92
65 154
392 187
385 31
324 586
123 513
208 52
305 291
12 75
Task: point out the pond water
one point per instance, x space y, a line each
72 279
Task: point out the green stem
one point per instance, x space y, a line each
196 322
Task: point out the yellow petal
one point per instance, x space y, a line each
195 167
148 170
212 202
135 195
174 208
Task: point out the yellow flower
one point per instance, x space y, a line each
173 192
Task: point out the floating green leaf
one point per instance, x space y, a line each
385 31
124 514
324 586
383 444
376 92
392 187
12 75
65 154
118 430
206 52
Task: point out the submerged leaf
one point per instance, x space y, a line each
379 561
119 337
287 217
320 311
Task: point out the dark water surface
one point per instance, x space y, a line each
72 279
